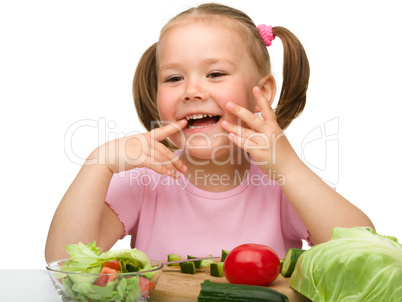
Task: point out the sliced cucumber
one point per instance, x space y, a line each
206 262
82 278
197 263
187 267
217 269
224 255
173 257
289 262
201 263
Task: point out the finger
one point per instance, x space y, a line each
159 134
252 120
180 166
237 129
243 142
254 141
173 162
160 165
158 168
267 112
254 136
162 155
173 159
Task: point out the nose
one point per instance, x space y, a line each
194 90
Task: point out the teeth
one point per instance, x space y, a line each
197 116
197 127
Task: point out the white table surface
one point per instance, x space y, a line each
31 285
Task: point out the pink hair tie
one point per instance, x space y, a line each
266 33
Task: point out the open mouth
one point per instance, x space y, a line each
196 121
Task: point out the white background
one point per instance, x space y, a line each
66 69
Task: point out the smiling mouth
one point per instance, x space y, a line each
197 121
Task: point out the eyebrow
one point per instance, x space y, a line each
208 61
217 60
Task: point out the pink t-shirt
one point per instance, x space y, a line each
168 216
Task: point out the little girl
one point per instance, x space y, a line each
210 174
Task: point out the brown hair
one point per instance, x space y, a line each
296 70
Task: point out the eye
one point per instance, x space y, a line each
215 74
174 78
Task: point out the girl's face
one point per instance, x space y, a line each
201 68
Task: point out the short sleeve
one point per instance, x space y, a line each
292 226
124 197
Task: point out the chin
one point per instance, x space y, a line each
220 153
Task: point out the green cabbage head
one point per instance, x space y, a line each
356 264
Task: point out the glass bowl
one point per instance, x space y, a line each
125 287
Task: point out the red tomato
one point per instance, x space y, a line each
105 279
113 264
253 264
145 286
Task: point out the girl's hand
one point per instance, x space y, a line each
142 150
264 140
319 206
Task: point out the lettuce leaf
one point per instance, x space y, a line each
356 264
132 260
85 257
121 289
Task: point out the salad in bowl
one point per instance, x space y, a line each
125 275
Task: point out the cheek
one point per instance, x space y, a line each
163 105
240 95
251 102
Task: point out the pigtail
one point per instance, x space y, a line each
296 73
145 89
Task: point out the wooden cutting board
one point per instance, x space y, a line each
174 286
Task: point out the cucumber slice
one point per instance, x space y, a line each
206 262
224 255
201 263
173 257
187 267
80 278
289 262
197 264
217 269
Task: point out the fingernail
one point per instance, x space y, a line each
230 105
184 168
258 89
225 123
